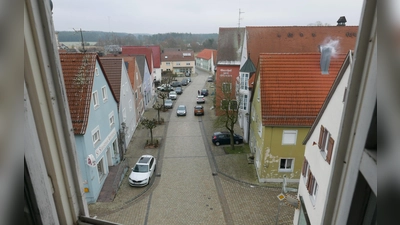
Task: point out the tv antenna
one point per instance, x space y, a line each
83 43
240 12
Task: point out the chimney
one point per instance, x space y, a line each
341 21
326 52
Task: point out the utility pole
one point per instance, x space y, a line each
82 41
240 12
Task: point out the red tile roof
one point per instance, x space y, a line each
297 39
156 55
207 53
78 70
113 69
293 88
140 50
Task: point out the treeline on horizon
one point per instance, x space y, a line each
196 42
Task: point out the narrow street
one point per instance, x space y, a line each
189 187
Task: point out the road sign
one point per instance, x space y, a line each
281 196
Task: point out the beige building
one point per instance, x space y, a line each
177 61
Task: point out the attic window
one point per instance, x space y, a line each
166 57
187 54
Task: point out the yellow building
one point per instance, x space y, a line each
288 92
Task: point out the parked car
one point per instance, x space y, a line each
224 138
168 103
187 74
178 90
204 92
172 95
142 171
189 79
200 99
181 111
184 82
198 110
165 87
176 84
210 79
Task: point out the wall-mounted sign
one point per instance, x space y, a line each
90 160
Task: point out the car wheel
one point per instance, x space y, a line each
236 142
217 143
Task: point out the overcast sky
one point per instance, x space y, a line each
188 16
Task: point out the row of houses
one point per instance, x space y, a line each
107 97
293 86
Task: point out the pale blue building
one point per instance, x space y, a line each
94 115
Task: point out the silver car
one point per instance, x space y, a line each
181 111
168 103
142 171
172 95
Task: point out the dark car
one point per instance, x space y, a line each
198 110
224 138
181 110
204 92
178 90
210 79
184 82
176 84
168 104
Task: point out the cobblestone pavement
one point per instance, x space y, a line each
185 190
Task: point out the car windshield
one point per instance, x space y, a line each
168 101
141 168
181 108
199 107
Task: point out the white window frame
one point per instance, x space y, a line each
104 93
325 141
188 64
258 93
111 119
115 147
130 105
289 132
178 64
286 160
224 84
96 136
101 172
136 95
244 102
260 128
314 191
168 63
96 71
95 97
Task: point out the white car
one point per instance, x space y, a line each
172 95
142 171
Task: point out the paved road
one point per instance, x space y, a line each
188 188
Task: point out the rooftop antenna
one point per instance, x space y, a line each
240 12
83 43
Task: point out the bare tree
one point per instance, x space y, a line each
227 108
149 124
157 106
162 96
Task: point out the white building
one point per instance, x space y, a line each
320 150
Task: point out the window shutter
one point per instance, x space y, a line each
308 185
330 149
321 135
305 164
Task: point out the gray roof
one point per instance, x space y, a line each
230 41
248 66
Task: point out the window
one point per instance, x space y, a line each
312 187
96 135
168 63
104 93
130 105
325 144
229 104
95 100
286 165
289 137
137 75
258 94
260 128
100 169
226 87
136 95
115 147
111 119
305 170
244 102
178 64
244 81
96 71
187 64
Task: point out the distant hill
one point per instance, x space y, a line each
167 40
